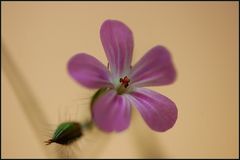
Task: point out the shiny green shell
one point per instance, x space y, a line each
66 133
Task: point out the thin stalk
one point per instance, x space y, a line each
26 97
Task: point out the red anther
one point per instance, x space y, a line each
125 81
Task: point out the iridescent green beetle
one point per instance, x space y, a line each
68 132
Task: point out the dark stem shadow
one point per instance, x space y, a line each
28 102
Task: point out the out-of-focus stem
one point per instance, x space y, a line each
29 104
36 116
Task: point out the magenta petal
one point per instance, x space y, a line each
117 41
158 111
88 71
154 68
111 112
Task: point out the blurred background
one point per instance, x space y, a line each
38 39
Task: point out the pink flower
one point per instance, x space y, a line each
111 111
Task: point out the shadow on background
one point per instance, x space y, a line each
28 101
146 142
38 119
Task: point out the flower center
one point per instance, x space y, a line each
124 81
124 84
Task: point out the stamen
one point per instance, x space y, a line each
125 81
124 84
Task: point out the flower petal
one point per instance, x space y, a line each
154 68
88 71
117 41
158 111
111 112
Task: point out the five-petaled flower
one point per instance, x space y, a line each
123 83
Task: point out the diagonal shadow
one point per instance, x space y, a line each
37 118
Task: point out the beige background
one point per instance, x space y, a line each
40 37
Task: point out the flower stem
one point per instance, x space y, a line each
28 101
